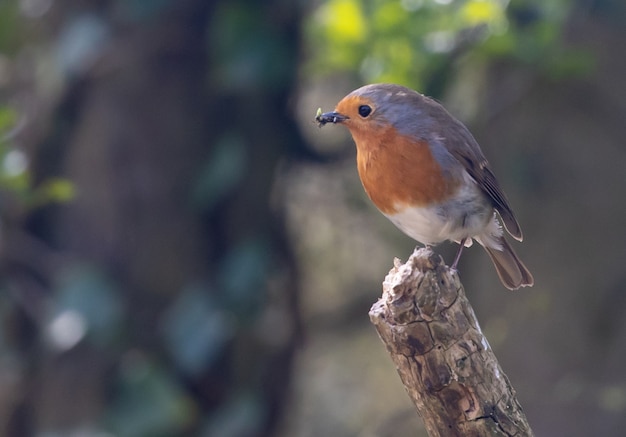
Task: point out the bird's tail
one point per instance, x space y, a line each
511 270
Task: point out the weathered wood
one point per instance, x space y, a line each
441 354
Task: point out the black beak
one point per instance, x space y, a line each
330 117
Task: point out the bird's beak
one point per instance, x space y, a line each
330 117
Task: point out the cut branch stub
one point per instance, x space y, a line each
441 354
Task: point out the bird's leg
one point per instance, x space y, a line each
458 254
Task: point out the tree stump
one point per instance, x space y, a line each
441 354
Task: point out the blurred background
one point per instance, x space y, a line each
184 253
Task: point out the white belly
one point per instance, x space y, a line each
469 215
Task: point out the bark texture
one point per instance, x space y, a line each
441 354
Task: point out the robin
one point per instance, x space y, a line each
425 172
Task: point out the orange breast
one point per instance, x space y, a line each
396 172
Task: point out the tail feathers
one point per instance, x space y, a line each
511 270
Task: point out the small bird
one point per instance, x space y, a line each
425 172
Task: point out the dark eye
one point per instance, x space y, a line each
365 110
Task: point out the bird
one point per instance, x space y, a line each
426 173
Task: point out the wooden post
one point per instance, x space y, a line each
441 354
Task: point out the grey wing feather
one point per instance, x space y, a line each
487 181
462 145
477 166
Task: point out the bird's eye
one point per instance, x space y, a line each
365 110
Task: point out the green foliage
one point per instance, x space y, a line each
149 402
13 164
8 118
222 172
15 178
196 330
410 41
247 50
85 292
240 416
8 26
533 37
140 10
243 272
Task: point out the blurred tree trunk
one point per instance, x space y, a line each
171 137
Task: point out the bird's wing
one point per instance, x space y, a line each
465 149
462 145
